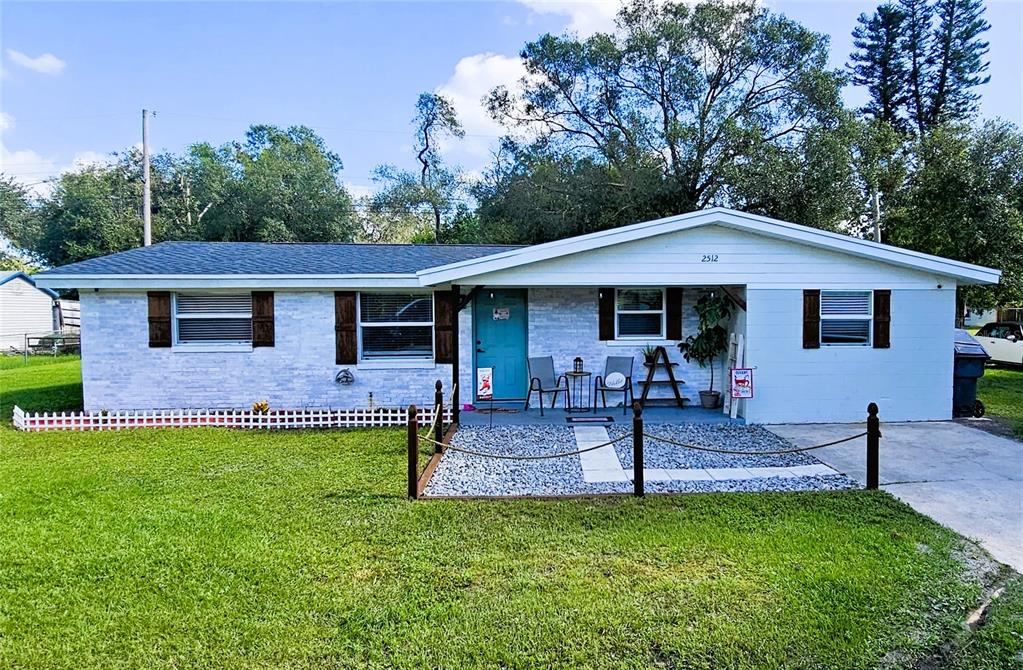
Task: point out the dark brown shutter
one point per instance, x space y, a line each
673 312
445 324
882 319
262 318
606 314
159 318
346 348
812 319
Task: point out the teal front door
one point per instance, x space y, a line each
499 316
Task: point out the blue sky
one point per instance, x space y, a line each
75 76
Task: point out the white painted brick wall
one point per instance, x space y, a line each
563 324
120 371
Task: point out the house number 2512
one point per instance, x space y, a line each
709 258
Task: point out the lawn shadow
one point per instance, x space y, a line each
56 398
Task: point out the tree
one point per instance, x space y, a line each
958 57
918 17
18 220
879 63
691 91
964 201
90 213
12 262
434 188
921 61
277 186
284 187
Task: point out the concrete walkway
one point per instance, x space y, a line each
963 478
603 465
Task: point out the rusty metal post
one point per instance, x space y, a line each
413 452
873 446
637 450
438 406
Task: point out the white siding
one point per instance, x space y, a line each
23 309
911 381
677 259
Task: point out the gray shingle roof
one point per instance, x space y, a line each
260 258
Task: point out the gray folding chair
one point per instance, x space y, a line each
622 364
543 380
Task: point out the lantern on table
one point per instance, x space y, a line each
577 364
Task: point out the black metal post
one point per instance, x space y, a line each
637 449
438 406
873 446
413 452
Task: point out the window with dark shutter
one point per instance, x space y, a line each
262 319
882 319
345 342
159 318
396 326
845 318
811 319
606 314
212 319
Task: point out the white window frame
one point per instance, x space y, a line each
396 360
663 312
868 317
207 344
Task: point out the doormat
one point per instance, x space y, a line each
590 419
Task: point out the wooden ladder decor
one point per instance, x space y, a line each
661 354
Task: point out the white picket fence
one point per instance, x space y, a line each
274 419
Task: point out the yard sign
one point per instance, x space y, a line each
741 382
484 383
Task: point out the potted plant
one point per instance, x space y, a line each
649 354
709 342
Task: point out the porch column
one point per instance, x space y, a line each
456 406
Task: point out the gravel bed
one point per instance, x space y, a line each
464 475
724 436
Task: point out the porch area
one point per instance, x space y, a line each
511 413
515 341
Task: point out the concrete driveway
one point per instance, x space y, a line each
963 478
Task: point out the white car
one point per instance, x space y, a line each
1003 341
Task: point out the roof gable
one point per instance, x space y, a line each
9 276
812 237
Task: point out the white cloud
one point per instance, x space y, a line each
360 190
584 17
45 63
36 171
474 77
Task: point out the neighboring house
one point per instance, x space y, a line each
25 309
978 317
831 322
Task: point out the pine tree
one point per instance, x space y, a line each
958 57
879 63
917 47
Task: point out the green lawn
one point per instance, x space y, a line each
212 548
1001 390
45 384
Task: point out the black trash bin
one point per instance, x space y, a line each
970 358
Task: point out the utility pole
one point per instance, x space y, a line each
147 223
877 215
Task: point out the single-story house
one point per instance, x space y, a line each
830 322
25 309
